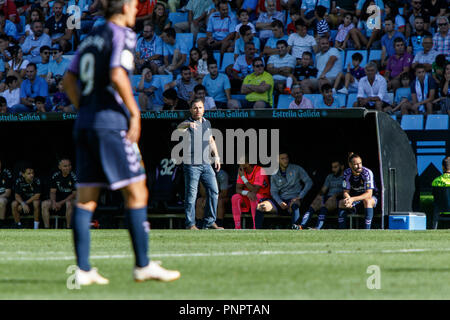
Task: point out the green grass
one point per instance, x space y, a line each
246 264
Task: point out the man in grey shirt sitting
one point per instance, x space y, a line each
287 191
328 197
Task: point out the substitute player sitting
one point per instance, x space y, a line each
106 133
62 193
252 187
359 189
287 191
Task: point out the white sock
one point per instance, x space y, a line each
36 224
289 82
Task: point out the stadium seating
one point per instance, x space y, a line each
375 55
348 58
351 99
313 97
135 78
176 17
412 122
437 122
186 38
341 98
333 34
284 100
164 79
228 58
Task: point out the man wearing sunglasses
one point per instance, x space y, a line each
258 87
441 40
42 67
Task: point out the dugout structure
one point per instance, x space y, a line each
312 137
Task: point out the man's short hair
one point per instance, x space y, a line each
307 53
248 44
243 29
300 22
241 11
32 64
277 23
419 17
446 164
441 60
326 87
321 11
211 61
420 66
352 156
371 64
184 68
10 79
338 160
170 94
398 39
390 18
43 48
256 60
199 87
284 42
170 32
195 101
357 56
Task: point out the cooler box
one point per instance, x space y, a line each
408 221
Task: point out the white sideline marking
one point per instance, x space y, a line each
222 254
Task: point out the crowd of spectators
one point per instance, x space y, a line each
242 53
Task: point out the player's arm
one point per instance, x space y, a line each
53 196
215 153
122 84
6 194
71 88
323 191
366 195
33 198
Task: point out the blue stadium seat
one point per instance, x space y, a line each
351 99
314 97
333 34
164 78
135 78
393 116
216 55
412 122
374 55
348 58
284 100
437 122
238 96
391 97
341 98
200 35
68 56
228 58
176 17
186 38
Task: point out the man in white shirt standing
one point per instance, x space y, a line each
301 41
372 90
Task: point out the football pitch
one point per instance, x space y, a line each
235 264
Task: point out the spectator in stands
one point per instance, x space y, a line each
391 10
445 91
388 40
328 100
441 39
194 58
60 100
246 36
62 193
322 28
308 11
218 86
146 90
278 34
372 90
8 27
435 9
280 66
5 56
301 41
359 189
369 26
294 13
56 27
172 102
403 94
264 22
352 76
417 10
304 74
252 189
202 68
443 180
250 6
57 67
3 106
329 195
17 65
258 87
175 53
144 12
200 93
244 21
288 187
45 7
184 85
39 104
219 31
427 56
149 50
197 166
328 63
241 68
27 192
34 15
338 10
415 41
160 18
173 5
397 64
42 67
30 88
33 43
6 184
197 17
9 10
222 183
423 90
300 101
438 67
12 91
343 34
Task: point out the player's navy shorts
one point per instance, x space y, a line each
356 203
105 158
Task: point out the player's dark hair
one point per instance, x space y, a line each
419 17
326 87
277 23
195 101
321 11
243 29
349 14
199 87
357 56
446 164
25 166
352 156
284 42
62 158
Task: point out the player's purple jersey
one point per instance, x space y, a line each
359 184
107 47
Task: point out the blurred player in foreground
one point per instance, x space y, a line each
106 134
